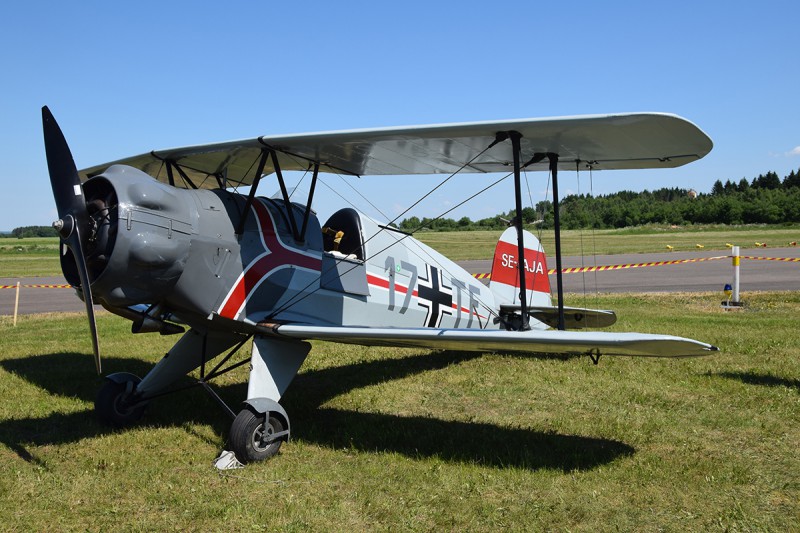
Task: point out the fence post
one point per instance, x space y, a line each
16 305
735 260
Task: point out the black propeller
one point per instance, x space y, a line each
74 223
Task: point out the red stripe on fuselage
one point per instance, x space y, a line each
277 255
384 284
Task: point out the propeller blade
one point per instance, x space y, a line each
73 216
74 242
64 179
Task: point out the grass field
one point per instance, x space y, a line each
29 257
391 439
39 256
480 244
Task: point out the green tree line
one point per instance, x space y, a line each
31 231
766 199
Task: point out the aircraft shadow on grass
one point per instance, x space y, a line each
415 436
764 380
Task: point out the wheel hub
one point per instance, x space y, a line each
262 436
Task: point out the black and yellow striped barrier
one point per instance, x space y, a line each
788 259
604 268
571 270
36 286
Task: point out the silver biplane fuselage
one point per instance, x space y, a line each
235 267
189 259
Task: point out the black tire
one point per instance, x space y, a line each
246 433
110 405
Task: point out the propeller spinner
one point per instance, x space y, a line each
74 223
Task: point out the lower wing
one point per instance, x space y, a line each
539 342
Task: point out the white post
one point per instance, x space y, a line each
16 306
735 260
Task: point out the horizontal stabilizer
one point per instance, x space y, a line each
574 317
527 342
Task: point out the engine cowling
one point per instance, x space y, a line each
140 239
154 244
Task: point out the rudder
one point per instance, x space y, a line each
504 282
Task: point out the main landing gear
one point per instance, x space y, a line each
262 425
256 436
257 432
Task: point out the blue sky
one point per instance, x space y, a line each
125 78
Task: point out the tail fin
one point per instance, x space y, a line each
504 282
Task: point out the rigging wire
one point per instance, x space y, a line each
384 215
541 228
291 302
332 189
462 167
541 248
544 207
423 226
594 244
294 300
580 234
528 185
297 185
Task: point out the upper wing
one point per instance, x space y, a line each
624 141
540 342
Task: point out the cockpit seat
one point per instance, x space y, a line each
351 241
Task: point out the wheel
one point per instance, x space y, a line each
111 405
248 433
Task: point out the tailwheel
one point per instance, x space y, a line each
256 436
116 404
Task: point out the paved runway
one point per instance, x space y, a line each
712 275
36 300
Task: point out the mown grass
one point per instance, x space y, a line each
33 256
28 244
648 239
404 439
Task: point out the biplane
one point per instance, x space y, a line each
164 240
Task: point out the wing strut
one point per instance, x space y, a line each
183 174
253 188
170 175
515 137
310 200
266 154
287 202
557 223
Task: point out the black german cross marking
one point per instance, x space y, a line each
438 297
